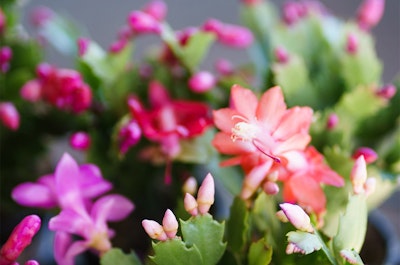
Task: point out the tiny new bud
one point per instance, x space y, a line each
154 230
224 67
190 186
41 15
190 204
19 239
83 44
80 141
205 196
351 44
170 224
387 91
9 115
370 13
31 91
332 121
5 57
281 55
202 82
157 9
358 175
141 22
118 45
297 217
369 154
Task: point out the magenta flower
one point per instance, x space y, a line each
370 13
48 191
9 115
80 141
5 58
128 136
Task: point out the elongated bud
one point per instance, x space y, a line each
80 141
202 82
292 12
297 217
205 196
358 175
9 115
154 230
118 45
332 121
370 13
83 45
170 224
141 23
190 204
190 186
31 91
224 67
369 154
157 9
19 239
387 91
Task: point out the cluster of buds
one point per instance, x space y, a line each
20 238
361 183
205 198
163 232
293 11
63 88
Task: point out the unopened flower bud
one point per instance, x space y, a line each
202 82
157 9
5 57
292 12
281 55
228 34
129 135
386 91
190 204
141 23
297 217
154 230
370 13
44 70
369 154
281 216
83 45
170 224
213 25
205 196
190 186
351 44
19 239
332 121
358 175
41 15
9 115
224 67
118 45
270 187
31 262
80 141
31 91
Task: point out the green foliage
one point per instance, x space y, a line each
177 252
238 225
260 253
116 256
307 242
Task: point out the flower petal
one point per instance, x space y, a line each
295 120
224 144
92 183
112 207
244 101
223 119
72 222
34 195
65 250
271 108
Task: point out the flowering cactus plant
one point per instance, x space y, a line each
292 149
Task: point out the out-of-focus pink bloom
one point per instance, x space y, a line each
9 115
80 141
281 55
5 58
63 88
118 45
387 91
190 186
332 121
169 120
157 9
297 217
89 224
369 154
20 238
47 192
251 2
358 175
294 11
302 178
370 13
224 67
128 136
41 15
2 21
228 34
202 81
142 23
31 91
259 133
125 32
351 44
83 45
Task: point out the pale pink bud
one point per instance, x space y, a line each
205 196
19 239
202 82
281 55
369 154
224 67
370 13
370 186
157 9
9 115
41 15
190 186
358 175
5 57
332 121
387 91
141 22
351 44
297 217
154 230
80 141
190 204
31 91
170 224
270 188
83 45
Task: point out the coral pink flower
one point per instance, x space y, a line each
302 178
259 133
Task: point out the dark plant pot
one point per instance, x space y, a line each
382 245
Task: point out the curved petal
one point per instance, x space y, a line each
224 144
244 101
62 241
254 178
296 142
223 119
112 207
327 176
34 195
295 120
92 183
271 108
71 222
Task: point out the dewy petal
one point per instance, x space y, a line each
223 119
112 207
244 101
271 107
34 195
